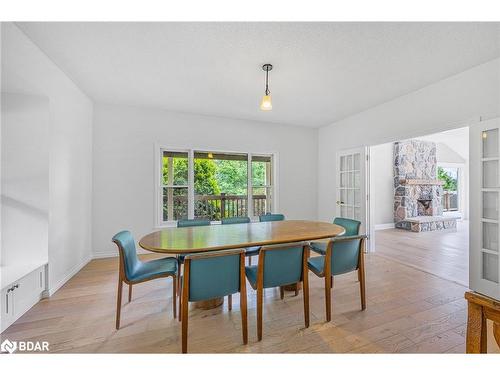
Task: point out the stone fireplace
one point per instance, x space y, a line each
417 191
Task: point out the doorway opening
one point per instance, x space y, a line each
419 202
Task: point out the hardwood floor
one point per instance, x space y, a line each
408 311
443 253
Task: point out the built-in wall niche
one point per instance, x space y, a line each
25 201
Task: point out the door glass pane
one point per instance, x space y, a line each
490 143
490 174
490 267
350 181
343 163
175 168
343 196
357 213
357 198
343 211
175 203
349 162
356 162
357 183
350 197
343 179
490 236
490 205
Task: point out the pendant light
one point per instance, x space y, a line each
266 104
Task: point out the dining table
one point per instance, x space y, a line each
197 239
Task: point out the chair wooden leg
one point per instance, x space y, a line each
305 291
119 302
362 290
328 298
230 302
180 301
184 324
129 292
260 300
244 320
282 292
174 295
297 289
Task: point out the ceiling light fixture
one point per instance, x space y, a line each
266 104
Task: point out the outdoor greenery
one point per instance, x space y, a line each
450 180
211 177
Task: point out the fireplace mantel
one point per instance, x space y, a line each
414 181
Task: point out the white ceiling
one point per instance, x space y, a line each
323 71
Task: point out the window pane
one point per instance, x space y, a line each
490 143
220 185
175 168
261 170
262 201
175 203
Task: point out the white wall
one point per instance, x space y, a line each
25 185
447 104
26 69
382 183
123 181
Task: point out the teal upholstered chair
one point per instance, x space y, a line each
351 229
271 217
343 254
278 266
133 271
184 223
213 275
249 251
192 223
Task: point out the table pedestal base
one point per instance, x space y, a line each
293 288
208 304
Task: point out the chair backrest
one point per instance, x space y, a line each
192 223
128 254
214 274
271 217
345 251
351 226
236 220
282 264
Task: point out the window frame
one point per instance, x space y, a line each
158 180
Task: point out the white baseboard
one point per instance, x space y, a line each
104 254
113 253
384 226
69 275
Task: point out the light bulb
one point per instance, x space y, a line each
266 104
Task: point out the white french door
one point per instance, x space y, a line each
352 186
484 265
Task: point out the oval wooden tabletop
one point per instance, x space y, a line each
232 236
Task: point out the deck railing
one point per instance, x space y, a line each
216 207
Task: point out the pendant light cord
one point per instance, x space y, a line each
267 82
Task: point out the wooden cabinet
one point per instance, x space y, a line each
19 296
